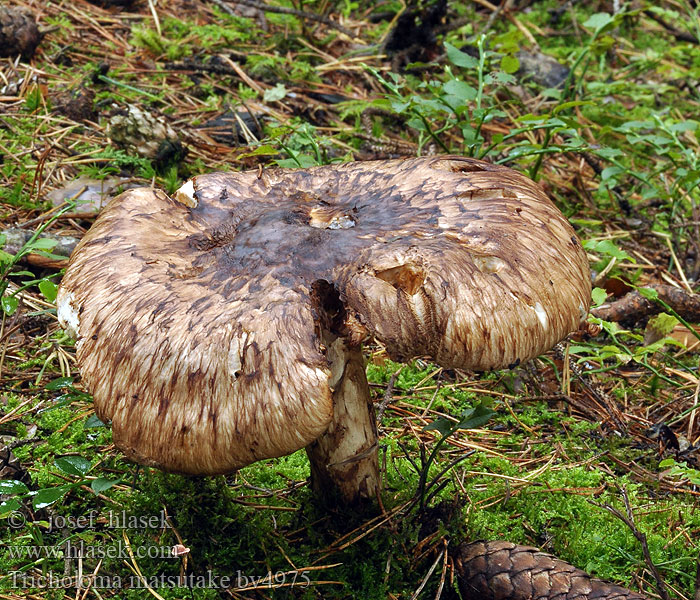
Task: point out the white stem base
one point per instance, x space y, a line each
344 463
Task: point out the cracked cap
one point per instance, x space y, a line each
198 317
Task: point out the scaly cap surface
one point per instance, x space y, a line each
198 317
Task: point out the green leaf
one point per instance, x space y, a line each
576 349
73 465
10 506
41 244
49 289
610 327
6 257
500 77
460 89
663 323
264 150
301 161
459 58
587 222
443 425
59 383
93 421
9 305
684 126
12 486
566 105
50 255
275 93
609 172
609 152
48 496
598 21
667 462
598 295
398 106
607 247
510 63
101 484
648 293
475 417
471 418
634 125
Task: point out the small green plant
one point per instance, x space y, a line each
71 465
667 149
450 111
470 418
681 470
301 145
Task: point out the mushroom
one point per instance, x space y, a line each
223 325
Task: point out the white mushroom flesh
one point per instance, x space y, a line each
185 194
68 314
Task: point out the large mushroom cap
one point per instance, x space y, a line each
198 317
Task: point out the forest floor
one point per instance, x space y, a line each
600 107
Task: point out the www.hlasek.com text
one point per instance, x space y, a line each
71 549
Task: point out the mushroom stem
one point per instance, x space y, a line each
344 463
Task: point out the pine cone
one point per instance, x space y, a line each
505 571
18 32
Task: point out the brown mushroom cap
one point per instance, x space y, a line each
198 317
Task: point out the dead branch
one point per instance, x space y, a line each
641 538
633 307
681 36
15 239
388 396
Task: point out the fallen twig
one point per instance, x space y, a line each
641 538
15 239
633 307
681 36
388 396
